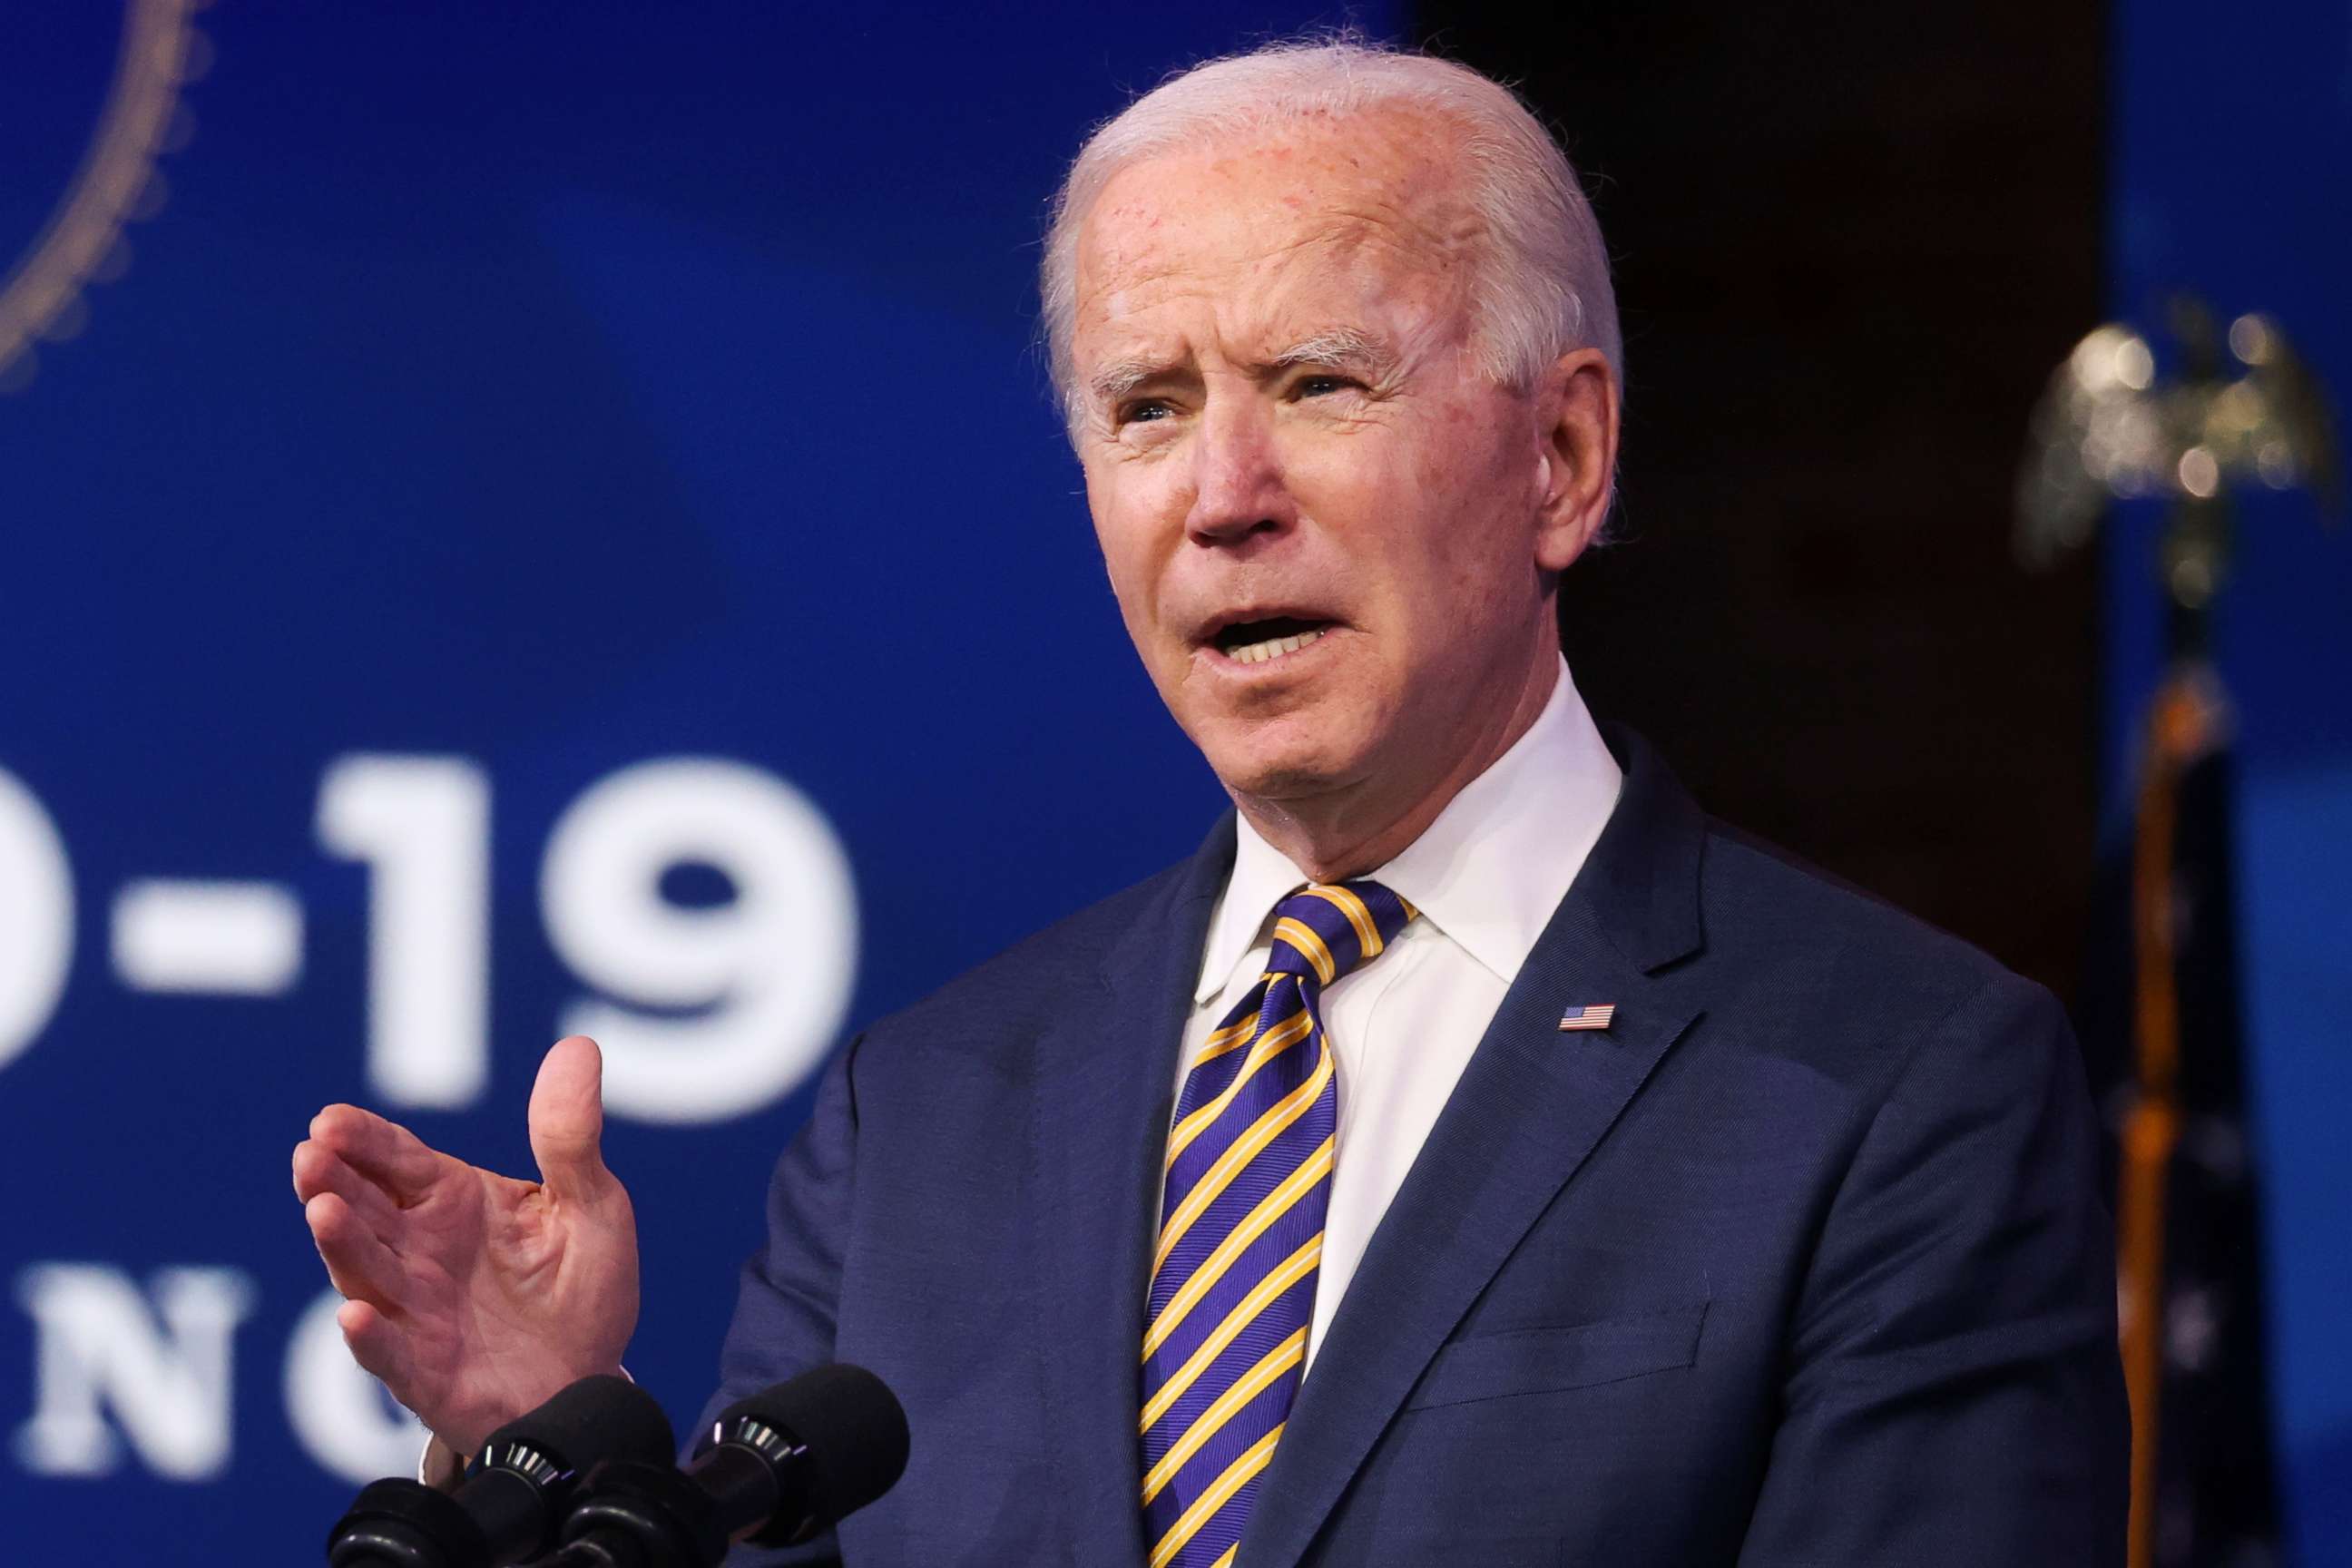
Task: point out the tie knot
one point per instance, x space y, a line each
1326 930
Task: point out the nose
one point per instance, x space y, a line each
1238 490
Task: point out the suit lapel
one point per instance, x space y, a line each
1104 1092
1528 1111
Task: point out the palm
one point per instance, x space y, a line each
474 1296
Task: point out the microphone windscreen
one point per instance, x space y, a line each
595 1419
850 1423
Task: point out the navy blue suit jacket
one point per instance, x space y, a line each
1801 1262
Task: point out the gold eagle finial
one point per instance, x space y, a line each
2243 410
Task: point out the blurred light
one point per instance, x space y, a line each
2276 463
2201 476
2250 340
2192 579
2238 408
2112 356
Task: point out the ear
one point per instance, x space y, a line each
1577 407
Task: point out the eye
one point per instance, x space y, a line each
1143 411
1319 383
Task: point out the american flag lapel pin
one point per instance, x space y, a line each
1577 1019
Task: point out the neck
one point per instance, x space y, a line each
1354 829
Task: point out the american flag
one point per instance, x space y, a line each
1587 1017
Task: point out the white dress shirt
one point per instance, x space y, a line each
1485 877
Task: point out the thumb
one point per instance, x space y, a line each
567 1120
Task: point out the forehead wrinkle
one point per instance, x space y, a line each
1137 277
1399 231
1250 295
1424 222
1340 236
1396 165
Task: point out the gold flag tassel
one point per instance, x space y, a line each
2185 724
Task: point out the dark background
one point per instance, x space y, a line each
1851 242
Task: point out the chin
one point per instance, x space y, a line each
1285 767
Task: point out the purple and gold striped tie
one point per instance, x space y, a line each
1241 1229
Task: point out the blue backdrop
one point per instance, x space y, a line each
518 517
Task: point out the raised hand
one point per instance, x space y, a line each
473 1296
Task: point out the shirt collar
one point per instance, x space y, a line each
1488 872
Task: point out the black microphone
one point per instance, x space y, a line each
773 1469
510 1509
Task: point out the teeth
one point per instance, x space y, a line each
1272 647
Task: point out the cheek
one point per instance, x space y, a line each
1479 523
1425 526
1134 556
1131 584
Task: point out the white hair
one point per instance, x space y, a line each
1542 285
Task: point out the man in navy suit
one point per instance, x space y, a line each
1473 1153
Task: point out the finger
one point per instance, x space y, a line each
359 1265
567 1120
379 1345
317 1169
386 1152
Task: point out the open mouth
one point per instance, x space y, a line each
1255 642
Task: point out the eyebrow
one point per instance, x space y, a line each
1114 380
1341 348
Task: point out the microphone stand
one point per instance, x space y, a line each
651 1516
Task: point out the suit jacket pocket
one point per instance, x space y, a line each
1543 1361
